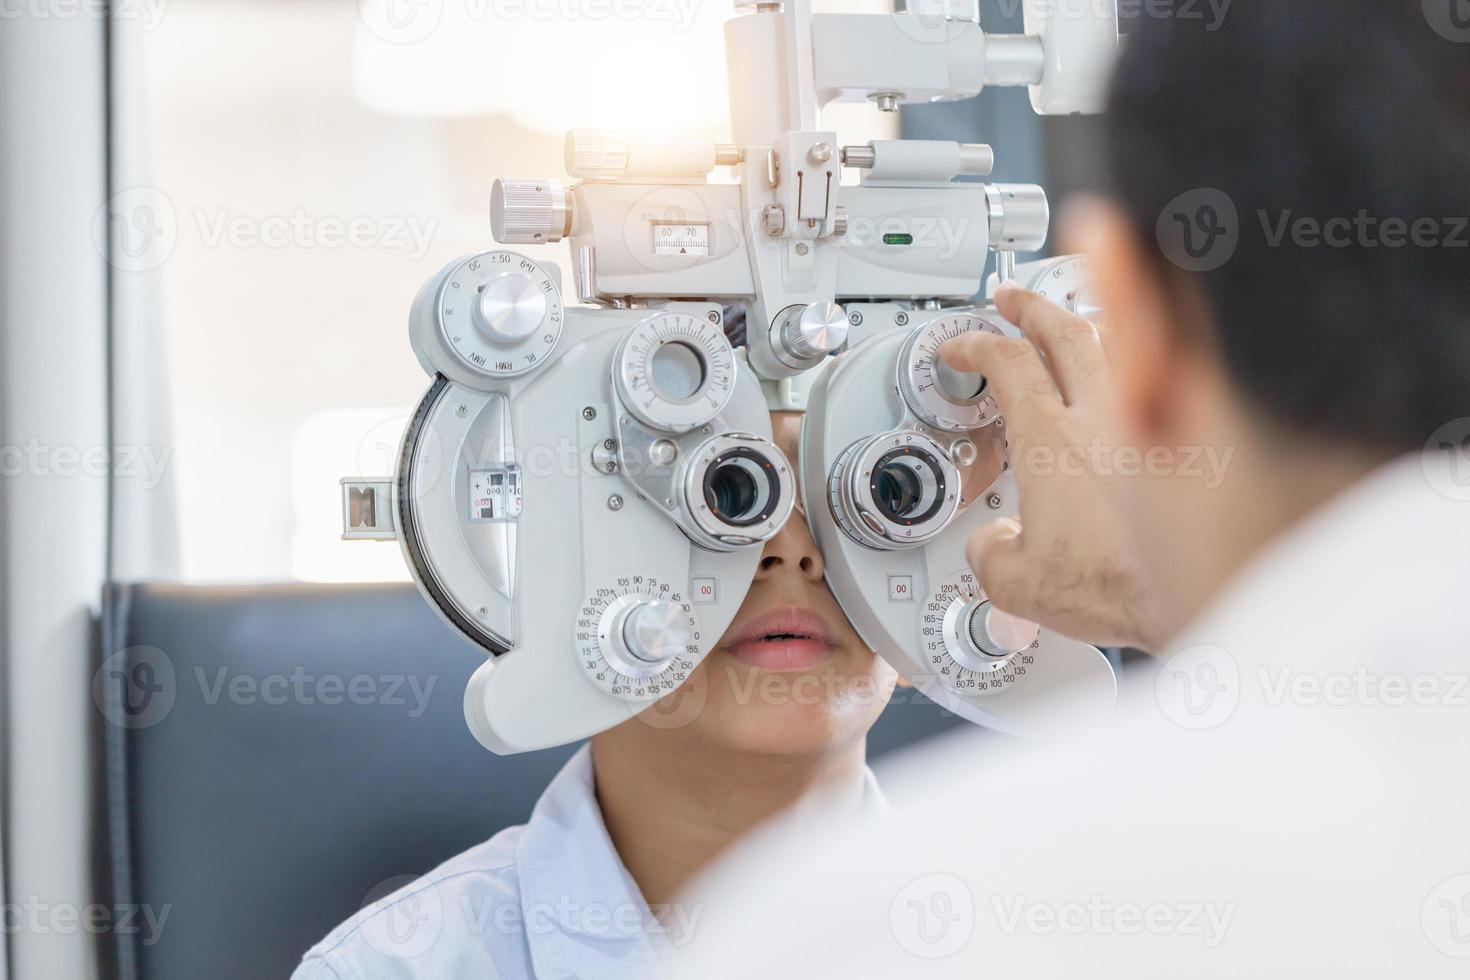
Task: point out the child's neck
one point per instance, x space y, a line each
673 801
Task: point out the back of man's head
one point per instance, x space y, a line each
1306 165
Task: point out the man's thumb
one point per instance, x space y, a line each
994 553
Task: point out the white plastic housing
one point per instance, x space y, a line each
1070 684
526 580
1079 44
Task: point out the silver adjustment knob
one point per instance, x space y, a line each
998 634
653 632
529 211
804 334
936 393
1019 217
509 309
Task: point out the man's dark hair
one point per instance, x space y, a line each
1315 109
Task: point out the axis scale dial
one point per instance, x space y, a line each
936 393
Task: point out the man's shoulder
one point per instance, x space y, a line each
461 915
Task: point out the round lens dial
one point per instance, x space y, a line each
936 393
893 490
739 489
499 313
1067 282
674 371
972 647
638 638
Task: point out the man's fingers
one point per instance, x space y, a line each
1074 352
1013 371
995 554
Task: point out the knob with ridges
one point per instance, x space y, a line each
802 335
1019 216
999 634
529 211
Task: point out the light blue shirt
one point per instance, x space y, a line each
550 900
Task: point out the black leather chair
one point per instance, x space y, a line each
275 755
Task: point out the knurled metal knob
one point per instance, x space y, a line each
811 332
1019 216
999 634
529 211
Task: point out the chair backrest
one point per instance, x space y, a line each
277 754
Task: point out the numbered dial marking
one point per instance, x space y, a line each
1067 282
936 393
638 638
500 314
674 371
973 648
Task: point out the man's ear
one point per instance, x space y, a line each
1139 329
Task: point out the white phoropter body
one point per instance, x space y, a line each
584 491
618 604
919 604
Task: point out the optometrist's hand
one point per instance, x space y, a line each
1069 563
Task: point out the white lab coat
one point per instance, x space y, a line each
1287 796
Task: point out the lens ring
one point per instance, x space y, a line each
893 490
905 480
741 487
714 483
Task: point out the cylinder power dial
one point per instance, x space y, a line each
674 371
1067 282
937 394
638 638
499 313
974 648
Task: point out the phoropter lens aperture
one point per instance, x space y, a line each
742 487
908 485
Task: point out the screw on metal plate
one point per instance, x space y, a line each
589 413
901 318
855 318
994 501
462 411
615 502
714 316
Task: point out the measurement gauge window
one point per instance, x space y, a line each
680 238
495 494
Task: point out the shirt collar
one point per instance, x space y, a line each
584 915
